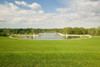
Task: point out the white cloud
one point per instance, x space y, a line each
21 3
85 8
81 13
33 5
63 10
41 11
14 15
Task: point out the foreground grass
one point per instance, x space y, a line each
50 53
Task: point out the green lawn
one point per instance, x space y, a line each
50 53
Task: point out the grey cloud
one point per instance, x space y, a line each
2 20
94 0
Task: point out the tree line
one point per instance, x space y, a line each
67 30
82 31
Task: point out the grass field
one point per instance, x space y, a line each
50 53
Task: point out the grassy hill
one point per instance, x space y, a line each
50 53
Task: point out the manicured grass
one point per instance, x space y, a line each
50 53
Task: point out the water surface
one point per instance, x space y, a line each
48 36
45 36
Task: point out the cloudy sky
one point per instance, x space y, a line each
49 13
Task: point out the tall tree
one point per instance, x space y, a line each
32 31
4 33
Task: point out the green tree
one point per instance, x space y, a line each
92 31
32 31
4 33
97 31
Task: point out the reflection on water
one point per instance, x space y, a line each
26 37
48 36
73 37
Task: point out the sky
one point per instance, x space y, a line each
49 13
